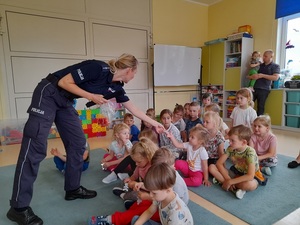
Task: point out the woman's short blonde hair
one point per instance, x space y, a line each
123 62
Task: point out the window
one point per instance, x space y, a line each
289 44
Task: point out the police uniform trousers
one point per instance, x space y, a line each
48 105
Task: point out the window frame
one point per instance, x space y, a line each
282 38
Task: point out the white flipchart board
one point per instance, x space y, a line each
176 65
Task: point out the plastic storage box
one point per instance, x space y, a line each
292 121
293 96
293 109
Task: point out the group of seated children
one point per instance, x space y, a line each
196 143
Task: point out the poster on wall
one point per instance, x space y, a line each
176 65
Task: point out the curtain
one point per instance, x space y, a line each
287 7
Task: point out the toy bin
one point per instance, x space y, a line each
293 96
293 109
11 131
292 121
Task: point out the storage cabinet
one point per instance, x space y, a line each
226 65
212 61
213 71
274 106
292 108
237 55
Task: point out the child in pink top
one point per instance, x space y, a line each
141 153
265 143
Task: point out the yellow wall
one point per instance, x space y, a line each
177 22
226 16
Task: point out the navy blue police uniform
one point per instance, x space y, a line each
49 104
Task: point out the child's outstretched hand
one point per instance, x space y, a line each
168 134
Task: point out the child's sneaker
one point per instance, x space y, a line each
98 220
123 176
240 193
266 170
128 203
110 178
215 181
118 191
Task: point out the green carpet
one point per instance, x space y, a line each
48 199
267 204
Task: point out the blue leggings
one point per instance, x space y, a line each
61 165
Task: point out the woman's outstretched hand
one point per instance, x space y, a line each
159 128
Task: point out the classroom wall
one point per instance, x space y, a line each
177 22
226 16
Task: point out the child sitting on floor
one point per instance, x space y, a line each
164 141
134 131
141 153
162 155
61 159
193 120
265 143
165 200
195 168
119 148
243 113
245 174
215 145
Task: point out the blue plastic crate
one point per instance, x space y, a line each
293 109
293 96
292 121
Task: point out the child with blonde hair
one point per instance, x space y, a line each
215 145
243 113
214 107
126 167
119 147
195 168
164 141
245 174
142 153
265 143
165 200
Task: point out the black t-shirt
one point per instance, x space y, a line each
94 76
269 69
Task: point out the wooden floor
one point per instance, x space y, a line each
288 144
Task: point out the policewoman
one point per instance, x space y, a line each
52 102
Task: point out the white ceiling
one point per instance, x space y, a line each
205 2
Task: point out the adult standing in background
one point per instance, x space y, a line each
268 72
52 101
